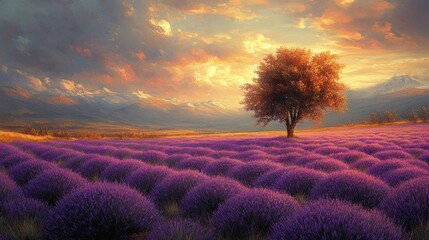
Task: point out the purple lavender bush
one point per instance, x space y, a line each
174 158
25 209
202 200
298 181
250 171
401 175
392 154
251 214
93 167
14 159
364 163
268 179
24 172
349 156
174 187
8 189
120 170
221 166
180 229
408 204
51 185
336 220
327 165
384 167
144 179
101 211
150 156
352 186
194 163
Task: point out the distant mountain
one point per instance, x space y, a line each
17 105
394 84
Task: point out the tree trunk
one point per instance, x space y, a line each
290 130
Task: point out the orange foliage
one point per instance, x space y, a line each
295 84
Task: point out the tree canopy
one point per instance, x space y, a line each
295 84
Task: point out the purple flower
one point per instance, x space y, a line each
53 184
392 154
174 187
151 156
288 158
408 204
92 168
8 188
222 154
180 229
336 220
195 163
26 171
174 158
308 158
327 165
364 163
349 157
14 159
202 200
298 181
252 214
383 167
425 157
250 171
352 186
145 178
330 150
119 171
253 155
101 211
398 176
268 179
24 209
221 166
371 148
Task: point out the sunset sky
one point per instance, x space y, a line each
193 51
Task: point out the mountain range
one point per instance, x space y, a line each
19 106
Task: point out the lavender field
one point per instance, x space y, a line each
370 183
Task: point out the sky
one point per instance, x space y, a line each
119 52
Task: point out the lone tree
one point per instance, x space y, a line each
295 84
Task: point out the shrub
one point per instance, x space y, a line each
92 168
119 171
425 157
398 176
221 166
364 163
333 219
251 214
350 156
253 155
371 148
180 229
74 163
268 179
8 189
408 204
195 163
174 158
298 181
308 158
14 159
250 171
330 150
197 151
202 200
26 171
174 187
327 165
150 156
145 178
53 184
392 154
101 211
6 149
222 154
384 167
288 158
25 209
352 186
